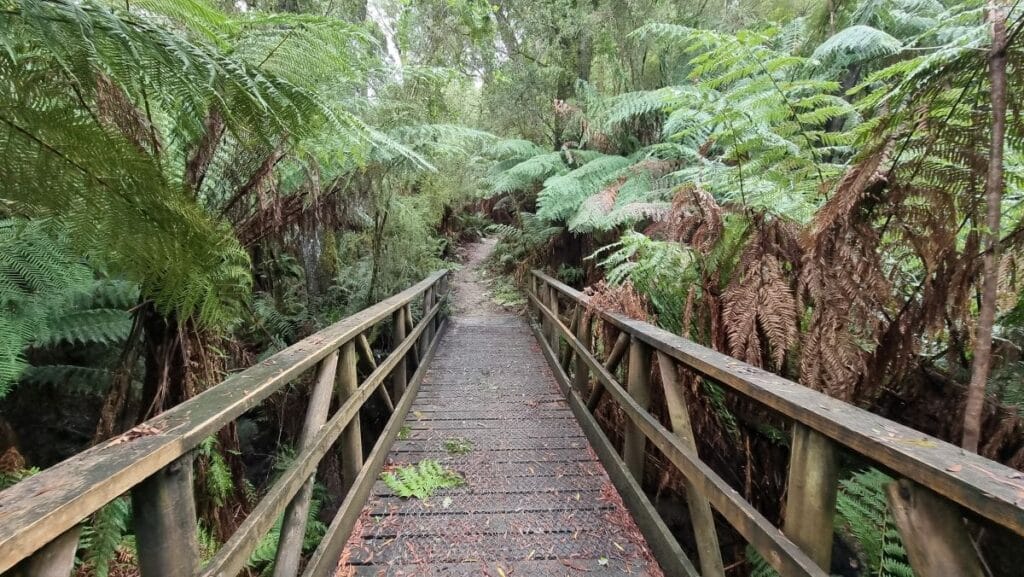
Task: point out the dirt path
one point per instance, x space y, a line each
472 297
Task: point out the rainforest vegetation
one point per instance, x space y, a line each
830 190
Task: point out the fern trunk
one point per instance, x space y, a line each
993 195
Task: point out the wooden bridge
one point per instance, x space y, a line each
545 493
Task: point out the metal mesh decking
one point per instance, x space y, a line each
536 502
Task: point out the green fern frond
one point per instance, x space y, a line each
421 480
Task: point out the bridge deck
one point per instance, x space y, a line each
536 501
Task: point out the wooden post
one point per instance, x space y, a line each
611 364
933 532
55 559
542 297
554 337
399 377
573 329
811 494
410 327
428 303
700 509
582 376
293 528
639 386
164 511
351 439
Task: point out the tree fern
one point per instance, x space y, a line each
105 534
862 510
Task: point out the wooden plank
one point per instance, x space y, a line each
670 556
399 376
293 527
701 516
611 364
811 494
56 559
581 378
781 553
324 560
44 506
232 556
351 437
933 532
978 484
639 387
164 518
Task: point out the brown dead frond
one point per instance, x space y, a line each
694 219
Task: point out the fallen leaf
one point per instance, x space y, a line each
954 468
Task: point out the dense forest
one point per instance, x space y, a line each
829 190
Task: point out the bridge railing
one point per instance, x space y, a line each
40 517
937 483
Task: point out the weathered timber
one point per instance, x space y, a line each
56 559
351 437
401 373
366 353
672 559
293 527
978 484
567 354
409 327
164 515
611 364
45 506
232 556
324 560
781 553
811 494
581 378
701 516
639 388
933 532
553 305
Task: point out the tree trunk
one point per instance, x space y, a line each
993 197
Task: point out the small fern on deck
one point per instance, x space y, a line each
421 480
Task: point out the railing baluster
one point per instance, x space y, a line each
933 532
351 438
56 559
293 528
410 327
366 352
639 387
700 508
582 376
611 364
400 375
553 336
811 493
573 329
164 512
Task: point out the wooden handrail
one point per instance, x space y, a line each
822 424
38 511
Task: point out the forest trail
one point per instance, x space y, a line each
536 500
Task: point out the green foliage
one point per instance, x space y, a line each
505 292
105 535
863 512
660 270
404 433
219 482
16 476
458 445
38 277
421 480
